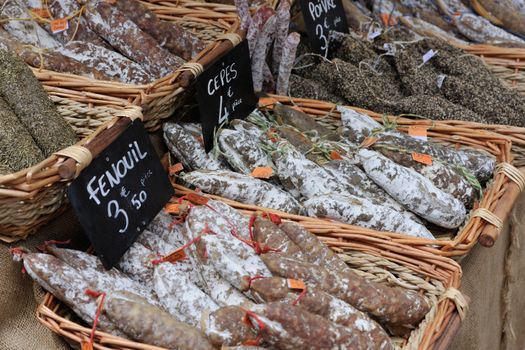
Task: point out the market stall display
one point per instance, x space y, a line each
141 62
302 173
332 214
222 290
492 30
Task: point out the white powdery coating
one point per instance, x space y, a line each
361 212
343 313
187 149
413 190
308 178
281 32
212 283
27 32
260 52
202 218
244 13
275 332
247 127
460 189
174 236
91 268
242 151
68 285
360 124
155 242
287 60
365 187
228 265
232 263
240 221
179 296
106 61
137 264
243 188
480 163
481 30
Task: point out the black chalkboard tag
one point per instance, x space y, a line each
225 91
119 193
321 17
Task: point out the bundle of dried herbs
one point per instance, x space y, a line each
23 93
18 150
400 73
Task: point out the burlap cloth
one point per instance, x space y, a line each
19 328
494 280
491 279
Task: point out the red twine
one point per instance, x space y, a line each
43 247
205 230
251 279
303 293
102 296
163 259
276 219
260 325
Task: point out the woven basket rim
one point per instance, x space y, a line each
466 237
212 11
424 266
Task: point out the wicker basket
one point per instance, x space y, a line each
436 277
159 98
33 196
498 198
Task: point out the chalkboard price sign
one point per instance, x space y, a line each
321 17
225 91
119 193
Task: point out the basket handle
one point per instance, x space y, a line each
516 184
226 43
71 168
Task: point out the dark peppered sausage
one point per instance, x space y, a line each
303 330
151 325
320 303
169 35
390 305
125 36
227 326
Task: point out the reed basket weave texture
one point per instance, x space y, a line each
158 99
32 197
495 196
436 277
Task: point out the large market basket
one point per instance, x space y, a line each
158 99
436 277
483 223
32 197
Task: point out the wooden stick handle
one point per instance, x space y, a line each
446 338
68 169
490 232
186 78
